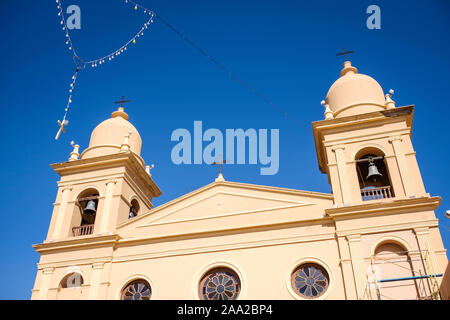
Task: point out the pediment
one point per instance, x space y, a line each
227 205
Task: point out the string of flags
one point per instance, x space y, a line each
80 64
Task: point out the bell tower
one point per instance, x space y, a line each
364 144
104 186
100 189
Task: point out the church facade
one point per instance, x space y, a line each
375 236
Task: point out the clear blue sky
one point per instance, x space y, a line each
285 49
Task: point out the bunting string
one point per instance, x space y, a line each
222 67
80 64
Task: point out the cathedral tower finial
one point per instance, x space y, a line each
120 111
348 68
75 153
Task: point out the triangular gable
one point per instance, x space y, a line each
227 205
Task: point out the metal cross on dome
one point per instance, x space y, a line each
344 53
122 101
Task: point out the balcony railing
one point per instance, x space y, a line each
376 193
83 230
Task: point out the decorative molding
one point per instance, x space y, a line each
98 265
387 228
369 145
72 262
90 180
395 138
83 242
393 206
389 239
111 181
224 247
422 230
337 147
48 270
353 237
365 137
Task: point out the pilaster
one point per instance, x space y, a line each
45 282
396 142
354 242
97 271
61 215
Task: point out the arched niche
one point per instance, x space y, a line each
373 174
85 212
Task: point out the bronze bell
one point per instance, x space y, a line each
132 213
373 172
90 207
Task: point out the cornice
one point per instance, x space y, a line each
77 243
75 262
107 161
365 117
366 137
387 228
385 207
345 123
222 247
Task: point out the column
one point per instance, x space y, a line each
341 166
359 267
347 272
61 212
45 282
94 289
105 216
402 165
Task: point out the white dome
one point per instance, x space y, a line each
109 135
354 93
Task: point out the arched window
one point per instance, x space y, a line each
134 209
373 175
87 203
219 284
137 290
72 280
310 280
394 271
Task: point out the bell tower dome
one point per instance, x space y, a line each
108 137
354 93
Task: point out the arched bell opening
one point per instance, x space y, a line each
134 209
87 203
373 176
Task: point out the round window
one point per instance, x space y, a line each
310 280
137 290
219 284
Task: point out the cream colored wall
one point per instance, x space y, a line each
240 226
264 270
